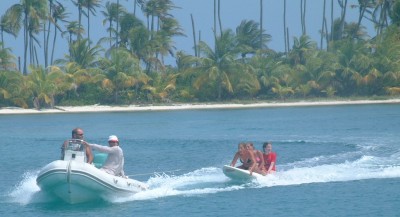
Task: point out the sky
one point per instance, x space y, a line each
233 12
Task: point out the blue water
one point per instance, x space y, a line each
332 161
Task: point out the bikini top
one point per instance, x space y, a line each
248 160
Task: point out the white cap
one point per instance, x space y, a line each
113 138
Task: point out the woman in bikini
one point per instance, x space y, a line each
259 158
246 157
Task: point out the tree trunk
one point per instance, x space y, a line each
219 16
284 26
88 26
361 15
117 35
2 37
326 35
261 24
303 4
46 42
194 36
287 39
215 18
323 24
332 29
25 43
45 50
343 5
80 22
54 43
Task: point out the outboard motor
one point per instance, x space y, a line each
75 151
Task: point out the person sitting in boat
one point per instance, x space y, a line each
269 158
247 158
259 158
77 134
114 163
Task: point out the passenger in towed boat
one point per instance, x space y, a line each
247 158
269 158
259 158
114 163
77 133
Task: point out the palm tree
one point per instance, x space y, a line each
57 13
285 33
8 25
160 20
395 13
111 15
81 54
324 26
381 13
73 29
80 81
363 6
386 57
13 89
343 6
250 36
169 28
261 23
29 12
6 58
301 48
218 66
122 71
91 6
303 6
46 32
34 29
283 80
45 86
316 74
354 31
264 62
80 5
350 66
137 3
135 36
282 91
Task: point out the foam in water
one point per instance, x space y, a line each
211 180
26 189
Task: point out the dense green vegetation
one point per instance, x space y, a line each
127 65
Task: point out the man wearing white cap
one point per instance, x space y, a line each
114 163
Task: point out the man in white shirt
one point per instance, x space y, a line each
114 163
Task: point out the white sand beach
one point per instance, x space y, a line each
133 108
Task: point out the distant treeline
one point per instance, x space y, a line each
127 66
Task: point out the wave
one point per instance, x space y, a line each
26 190
211 180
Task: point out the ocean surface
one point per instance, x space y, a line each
332 161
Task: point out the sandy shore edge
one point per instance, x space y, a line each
133 108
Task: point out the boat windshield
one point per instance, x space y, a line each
75 145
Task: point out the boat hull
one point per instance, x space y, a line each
77 182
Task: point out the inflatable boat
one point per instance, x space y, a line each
75 181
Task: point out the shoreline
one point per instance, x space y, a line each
183 106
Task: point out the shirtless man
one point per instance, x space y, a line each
77 133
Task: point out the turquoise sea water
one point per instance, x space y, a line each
332 161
